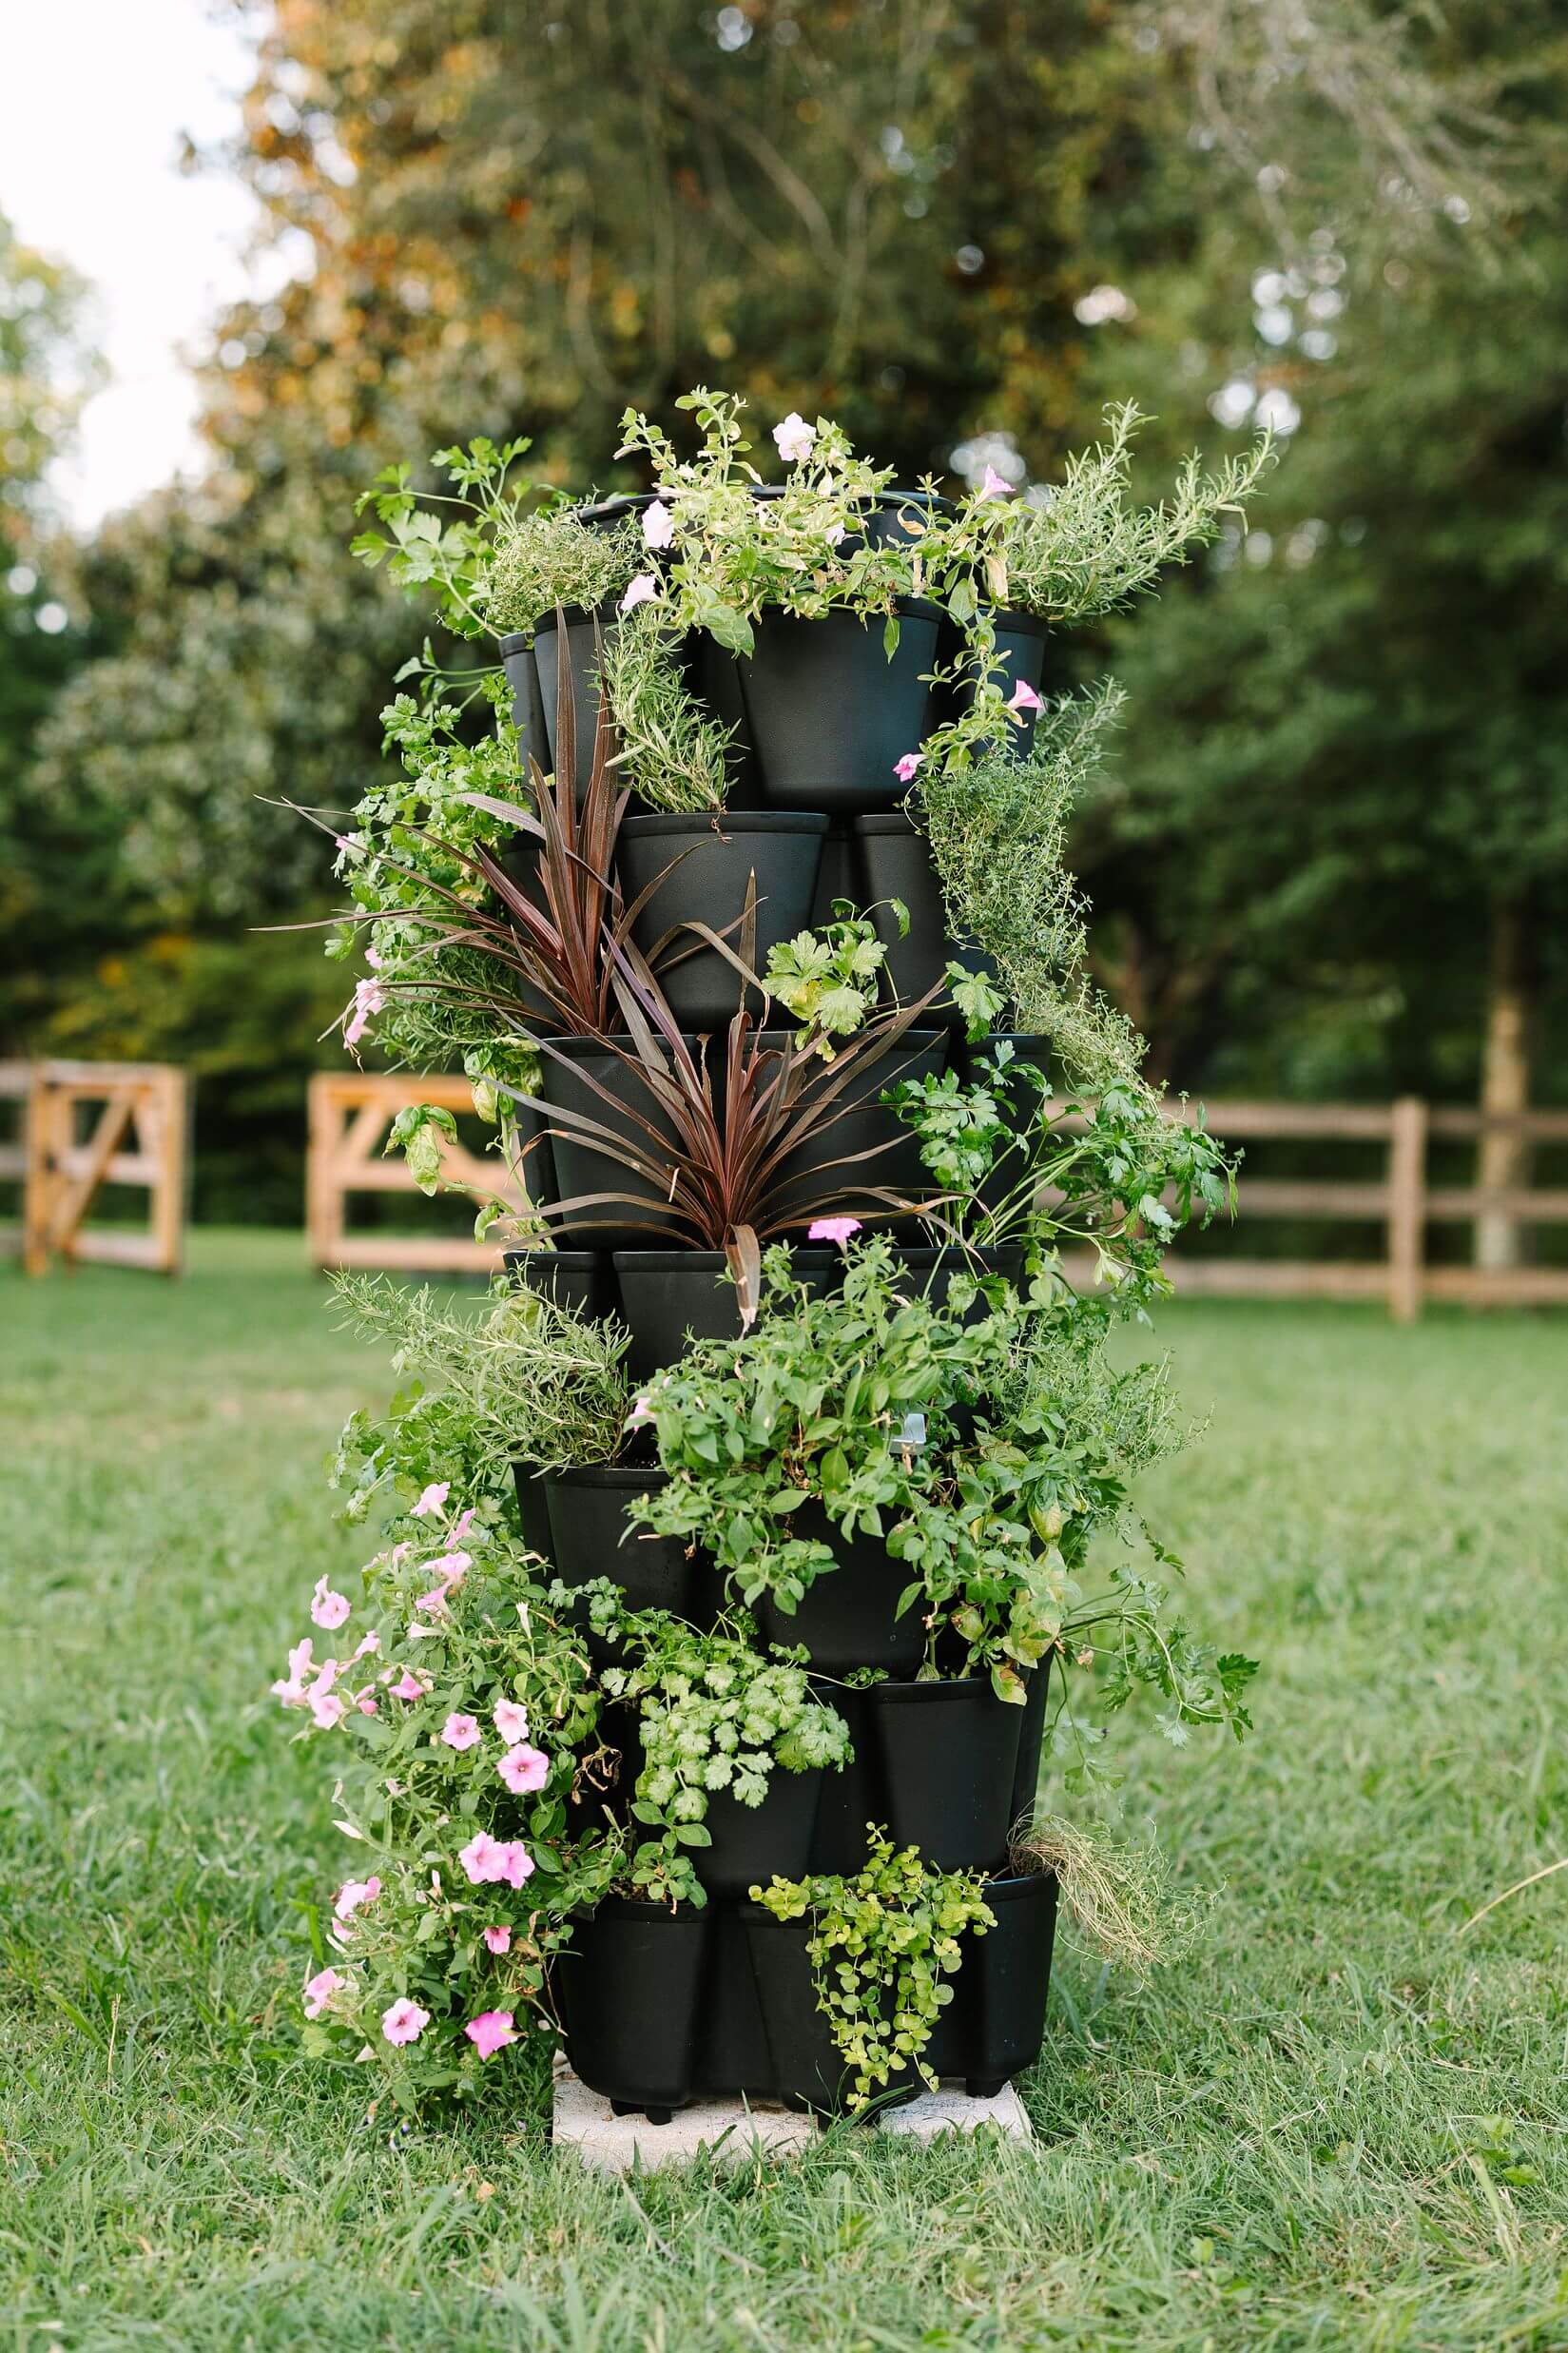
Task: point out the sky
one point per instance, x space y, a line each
94 95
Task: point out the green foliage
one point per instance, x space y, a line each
550 558
828 980
521 1381
445 1693
451 561
882 1943
672 749
713 1716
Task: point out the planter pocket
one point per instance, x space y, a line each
629 1988
572 1072
668 1293
587 1522
846 1618
700 870
948 1754
895 863
806 2070
750 1843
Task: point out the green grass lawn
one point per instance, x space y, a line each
1343 2122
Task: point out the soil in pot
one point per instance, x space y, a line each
580 1281
847 1616
948 1758
700 870
528 711
827 1174
588 1520
629 1988
895 863
751 1842
825 715
806 2070
666 1294
571 1071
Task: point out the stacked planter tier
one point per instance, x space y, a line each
662 2008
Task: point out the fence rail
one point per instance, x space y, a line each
349 1116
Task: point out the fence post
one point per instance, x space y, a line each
1406 1207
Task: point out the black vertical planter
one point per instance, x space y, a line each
825 715
827 1175
1021 644
698 870
666 1294
751 1843
845 1616
994 2024
528 711
948 1754
629 1988
895 863
570 639
806 2070
592 1537
568 1068
580 1281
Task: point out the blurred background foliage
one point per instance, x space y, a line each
1329 855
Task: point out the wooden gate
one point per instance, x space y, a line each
350 1114
89 1124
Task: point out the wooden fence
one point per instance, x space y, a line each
82 1125
1403 1202
349 1117
350 1114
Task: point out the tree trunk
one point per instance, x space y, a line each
1504 1156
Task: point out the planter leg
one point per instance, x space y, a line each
984 2087
630 2108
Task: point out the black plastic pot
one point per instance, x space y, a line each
533 1511
825 1174
895 863
578 648
629 1988
825 714
701 868
1026 1777
587 1522
750 1843
567 1069
528 711
1021 644
846 1618
806 2070
580 1281
604 514
932 1271
948 1753
994 2023
666 1294
732 2053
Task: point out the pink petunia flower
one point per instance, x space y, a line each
352 1895
320 1990
435 1602
366 1705
795 439
516 1863
524 1769
483 1858
432 1500
498 1939
452 1568
1023 698
658 524
461 1525
834 534
291 1691
460 1731
642 591
490 2032
368 1647
832 1229
369 997
326 1709
405 2021
642 1409
994 485
410 1688
511 1720
907 769
327 1608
